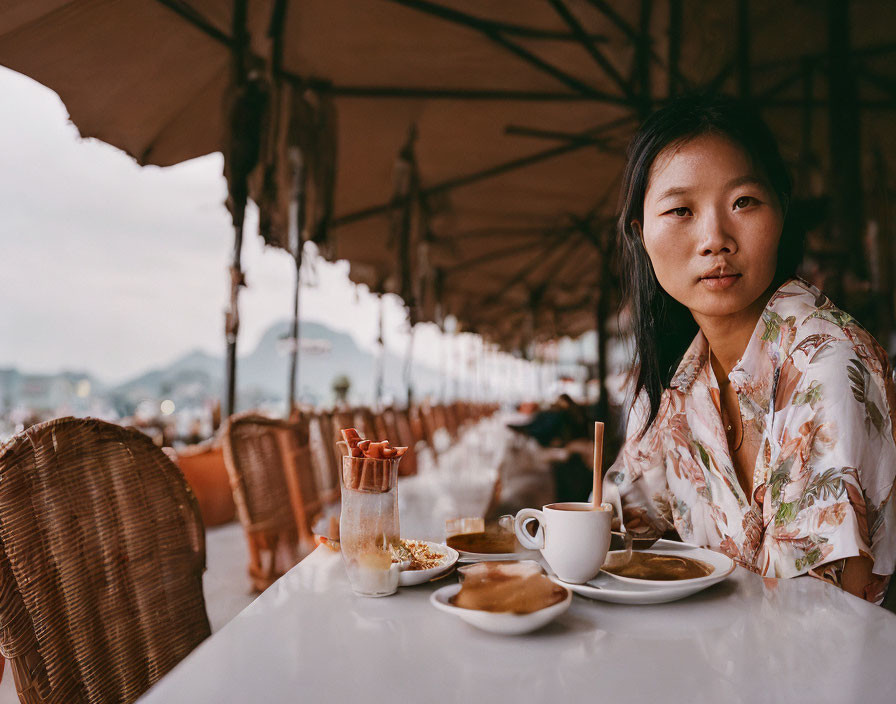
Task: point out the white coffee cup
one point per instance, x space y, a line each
573 537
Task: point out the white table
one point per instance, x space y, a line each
308 639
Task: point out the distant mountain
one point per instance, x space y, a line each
194 366
262 374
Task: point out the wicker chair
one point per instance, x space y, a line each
260 455
325 458
102 551
303 493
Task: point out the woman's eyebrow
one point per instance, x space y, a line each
748 179
744 181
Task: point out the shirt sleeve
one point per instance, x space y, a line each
638 477
830 490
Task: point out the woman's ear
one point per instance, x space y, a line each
637 229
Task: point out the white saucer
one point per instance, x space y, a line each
501 623
626 590
411 578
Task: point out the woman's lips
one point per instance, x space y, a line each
720 283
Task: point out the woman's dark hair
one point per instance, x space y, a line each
663 327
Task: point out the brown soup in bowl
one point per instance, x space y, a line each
662 568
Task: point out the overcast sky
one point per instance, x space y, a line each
112 268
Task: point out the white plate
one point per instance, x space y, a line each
611 588
411 578
501 623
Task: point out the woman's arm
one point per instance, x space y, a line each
854 575
638 476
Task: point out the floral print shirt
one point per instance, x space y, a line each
818 392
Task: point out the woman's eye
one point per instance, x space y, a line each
679 212
743 202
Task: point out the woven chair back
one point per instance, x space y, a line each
381 428
303 494
415 421
262 456
343 418
325 458
428 424
102 551
367 424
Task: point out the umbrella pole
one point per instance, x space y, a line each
298 216
294 358
381 359
232 323
408 366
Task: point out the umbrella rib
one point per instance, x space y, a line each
144 155
467 179
497 170
404 92
534 265
201 23
558 266
579 31
496 254
509 231
606 9
495 35
195 18
486 25
600 144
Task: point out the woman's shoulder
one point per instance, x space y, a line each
814 327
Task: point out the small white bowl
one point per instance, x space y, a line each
507 624
411 578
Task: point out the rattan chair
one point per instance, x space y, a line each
303 493
325 458
258 452
102 551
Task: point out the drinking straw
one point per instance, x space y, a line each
598 463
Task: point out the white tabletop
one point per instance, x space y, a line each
308 639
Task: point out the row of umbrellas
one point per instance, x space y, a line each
463 154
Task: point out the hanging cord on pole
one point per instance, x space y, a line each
248 108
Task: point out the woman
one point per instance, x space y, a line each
764 416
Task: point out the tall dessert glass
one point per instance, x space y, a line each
368 524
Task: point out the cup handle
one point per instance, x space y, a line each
611 496
519 528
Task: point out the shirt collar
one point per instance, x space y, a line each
793 295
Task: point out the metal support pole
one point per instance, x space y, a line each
642 60
232 323
743 49
298 241
381 359
232 320
408 367
845 185
296 346
675 23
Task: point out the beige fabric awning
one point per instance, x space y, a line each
521 112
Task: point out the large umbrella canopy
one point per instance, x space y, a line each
477 144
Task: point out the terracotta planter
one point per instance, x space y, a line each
204 470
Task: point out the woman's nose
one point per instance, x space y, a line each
715 238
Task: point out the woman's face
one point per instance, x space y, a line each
711 226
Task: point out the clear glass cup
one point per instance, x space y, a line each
368 524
